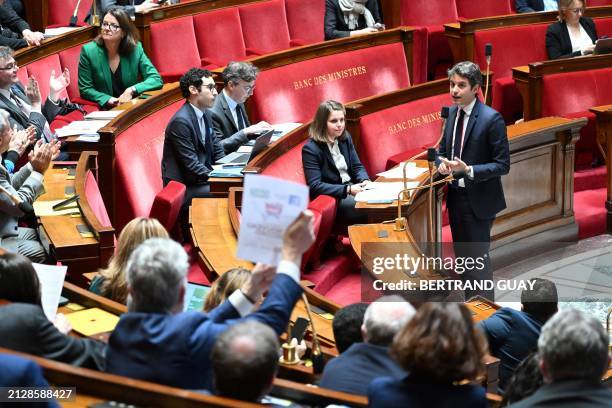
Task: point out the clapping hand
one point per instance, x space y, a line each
33 92
58 84
21 139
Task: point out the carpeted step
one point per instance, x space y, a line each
590 212
590 178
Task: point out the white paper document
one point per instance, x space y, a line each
103 115
51 279
269 205
380 191
52 32
412 171
81 127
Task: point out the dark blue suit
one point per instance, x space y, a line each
529 6
512 335
188 155
17 371
353 370
175 349
405 392
472 209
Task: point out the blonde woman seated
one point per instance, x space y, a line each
574 34
111 282
331 164
225 285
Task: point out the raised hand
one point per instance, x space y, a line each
33 92
21 139
58 84
259 282
40 157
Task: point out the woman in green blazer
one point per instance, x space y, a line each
111 66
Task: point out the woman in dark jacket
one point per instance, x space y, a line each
331 164
344 18
573 34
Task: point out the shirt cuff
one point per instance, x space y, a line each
290 269
240 302
471 173
33 173
56 103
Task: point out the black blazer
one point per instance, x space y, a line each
11 27
529 6
186 158
558 43
320 170
335 27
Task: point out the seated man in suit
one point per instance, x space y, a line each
231 123
15 31
18 372
513 334
353 370
573 350
155 341
245 361
24 186
131 6
347 325
531 6
24 105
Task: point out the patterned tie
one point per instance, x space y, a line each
458 135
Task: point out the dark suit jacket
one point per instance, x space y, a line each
11 27
127 5
529 6
175 349
320 170
186 158
25 328
16 371
335 27
225 129
95 82
353 370
485 148
512 335
568 394
49 111
406 392
558 43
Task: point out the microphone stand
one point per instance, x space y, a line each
95 18
317 356
73 19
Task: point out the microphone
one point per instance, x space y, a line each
24 206
444 116
73 18
488 54
431 154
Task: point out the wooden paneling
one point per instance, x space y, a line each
604 141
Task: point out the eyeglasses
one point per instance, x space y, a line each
578 10
249 88
211 87
110 26
9 67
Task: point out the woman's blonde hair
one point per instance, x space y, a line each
564 5
114 285
318 127
224 286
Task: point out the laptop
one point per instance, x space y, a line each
241 159
603 46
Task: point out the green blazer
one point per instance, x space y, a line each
95 82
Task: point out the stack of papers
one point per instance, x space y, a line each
51 278
82 127
412 171
52 32
45 208
383 192
103 115
230 171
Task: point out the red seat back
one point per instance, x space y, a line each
428 12
306 20
410 126
41 70
478 9
288 166
575 91
138 154
603 25
593 3
173 47
264 26
22 74
509 47
60 11
167 204
94 199
70 59
292 93
215 25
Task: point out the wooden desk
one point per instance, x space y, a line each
604 142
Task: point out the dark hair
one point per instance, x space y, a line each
131 36
193 77
526 380
347 325
468 70
541 301
235 71
18 279
244 360
318 127
441 344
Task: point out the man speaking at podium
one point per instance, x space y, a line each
474 143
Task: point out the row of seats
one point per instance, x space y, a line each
214 38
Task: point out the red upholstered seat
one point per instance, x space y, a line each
264 27
70 59
478 9
60 12
593 3
509 51
41 70
408 128
215 25
94 199
173 47
432 14
167 204
138 153
292 93
604 25
305 19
